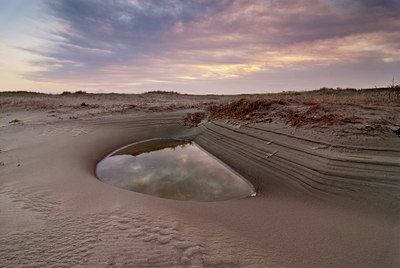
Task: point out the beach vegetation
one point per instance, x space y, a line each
161 92
80 92
325 106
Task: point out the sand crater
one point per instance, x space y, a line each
173 169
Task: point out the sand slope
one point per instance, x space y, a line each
324 169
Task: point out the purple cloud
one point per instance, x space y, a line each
212 39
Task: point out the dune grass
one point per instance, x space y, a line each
325 106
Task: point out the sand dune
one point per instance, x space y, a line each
321 201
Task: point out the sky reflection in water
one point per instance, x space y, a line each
175 170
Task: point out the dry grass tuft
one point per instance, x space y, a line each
315 108
194 119
299 119
243 109
348 96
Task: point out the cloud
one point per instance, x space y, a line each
133 42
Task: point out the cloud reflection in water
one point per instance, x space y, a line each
183 172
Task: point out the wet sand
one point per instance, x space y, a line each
321 201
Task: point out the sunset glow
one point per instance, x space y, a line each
199 47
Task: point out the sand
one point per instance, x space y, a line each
322 200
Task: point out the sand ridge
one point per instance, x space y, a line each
356 172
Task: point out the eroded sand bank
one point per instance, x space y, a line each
318 204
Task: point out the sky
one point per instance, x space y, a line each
198 46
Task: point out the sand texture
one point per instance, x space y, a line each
323 200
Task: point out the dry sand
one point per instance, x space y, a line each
323 200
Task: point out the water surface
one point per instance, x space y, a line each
173 169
